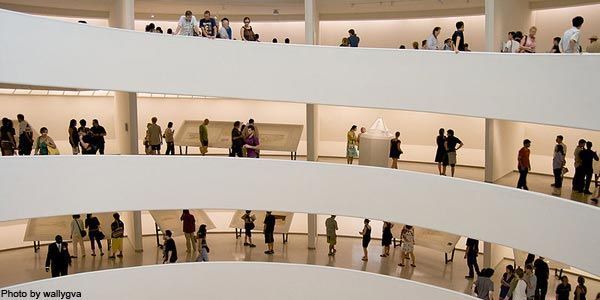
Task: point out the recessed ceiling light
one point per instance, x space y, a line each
152 16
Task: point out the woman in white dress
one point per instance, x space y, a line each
408 245
520 292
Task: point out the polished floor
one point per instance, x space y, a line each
23 265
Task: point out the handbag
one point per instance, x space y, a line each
53 151
100 235
83 233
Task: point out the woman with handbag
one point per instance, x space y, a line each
351 143
77 235
117 229
44 144
96 236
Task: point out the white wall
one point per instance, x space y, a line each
214 280
92 63
507 140
303 187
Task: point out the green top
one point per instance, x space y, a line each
203 133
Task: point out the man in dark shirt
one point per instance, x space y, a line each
587 165
269 230
170 248
542 272
189 230
451 148
237 140
58 258
458 38
208 26
98 134
353 39
471 254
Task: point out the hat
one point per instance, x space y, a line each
594 37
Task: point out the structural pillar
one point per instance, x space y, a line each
122 15
501 16
311 29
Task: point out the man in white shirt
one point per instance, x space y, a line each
432 40
570 40
187 25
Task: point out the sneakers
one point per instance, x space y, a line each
252 245
269 252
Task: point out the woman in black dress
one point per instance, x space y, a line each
395 150
441 157
366 239
386 238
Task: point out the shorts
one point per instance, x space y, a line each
351 151
155 147
452 158
365 242
331 240
247 231
269 238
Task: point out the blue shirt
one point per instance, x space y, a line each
229 33
353 40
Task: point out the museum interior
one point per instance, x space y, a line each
321 110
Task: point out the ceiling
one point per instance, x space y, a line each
264 9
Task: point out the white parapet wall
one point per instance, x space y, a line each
233 280
457 206
485 85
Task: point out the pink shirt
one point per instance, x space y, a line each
530 43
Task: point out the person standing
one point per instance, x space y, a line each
507 278
73 136
570 40
117 229
432 41
58 259
458 38
587 166
555 45
8 144
208 26
249 219
77 235
189 230
44 143
484 286
558 164
386 238
154 134
237 141
366 239
203 131
578 177
441 157
408 245
25 136
96 236
170 252
542 272
168 136
331 228
246 32
524 165
187 25
447 45
471 253
204 250
344 42
251 143
528 42
450 145
531 281
563 289
269 230
225 31
353 39
511 46
86 141
580 289
351 144
395 150
520 290
98 133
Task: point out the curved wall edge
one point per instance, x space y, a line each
213 280
470 84
51 185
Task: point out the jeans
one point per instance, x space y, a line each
170 148
558 179
95 238
522 184
472 263
578 179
